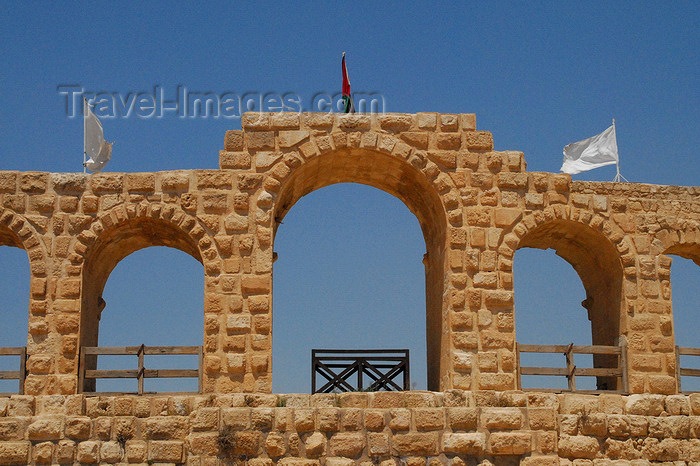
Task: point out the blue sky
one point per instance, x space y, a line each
537 74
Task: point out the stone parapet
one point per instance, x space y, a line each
454 427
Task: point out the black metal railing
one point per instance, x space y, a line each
339 368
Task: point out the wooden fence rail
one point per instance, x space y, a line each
381 367
571 371
19 375
680 371
141 372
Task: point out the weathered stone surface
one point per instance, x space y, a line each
415 444
464 444
510 443
578 446
14 452
347 444
477 207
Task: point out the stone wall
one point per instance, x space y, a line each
411 428
476 208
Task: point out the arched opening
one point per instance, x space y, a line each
14 289
685 279
400 179
145 295
597 264
349 276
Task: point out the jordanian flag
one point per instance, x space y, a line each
348 106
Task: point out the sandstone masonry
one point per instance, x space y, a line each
476 208
418 428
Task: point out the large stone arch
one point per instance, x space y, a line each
120 232
391 166
592 247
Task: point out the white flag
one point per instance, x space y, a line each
97 150
598 151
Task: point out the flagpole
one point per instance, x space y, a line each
84 134
618 177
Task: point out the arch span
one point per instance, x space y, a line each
113 243
597 262
400 179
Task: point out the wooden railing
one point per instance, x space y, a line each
19 375
88 357
680 371
381 367
571 371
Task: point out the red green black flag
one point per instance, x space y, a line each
348 106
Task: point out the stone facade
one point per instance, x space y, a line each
387 428
476 207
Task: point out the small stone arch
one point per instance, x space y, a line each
384 162
123 230
593 248
681 242
18 232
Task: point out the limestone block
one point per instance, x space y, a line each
375 419
45 428
593 424
427 121
140 182
238 323
88 452
233 140
167 451
328 419
540 461
234 160
206 444
78 428
14 452
387 400
275 445
260 140
426 419
512 180
65 451
396 122
510 443
165 427
8 182
578 446
645 405
449 141
415 444
347 444
248 443
284 120
255 121
12 429
110 452
33 182
315 445
501 418
464 443
542 418
400 419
